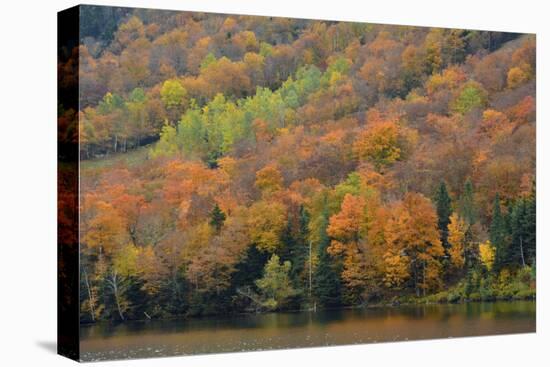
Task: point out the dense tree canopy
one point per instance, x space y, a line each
240 163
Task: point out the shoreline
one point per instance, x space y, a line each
378 305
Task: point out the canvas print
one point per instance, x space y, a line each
234 183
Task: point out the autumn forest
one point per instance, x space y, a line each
237 164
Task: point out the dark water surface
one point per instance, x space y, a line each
304 329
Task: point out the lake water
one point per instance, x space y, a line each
304 329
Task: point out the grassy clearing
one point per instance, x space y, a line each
129 159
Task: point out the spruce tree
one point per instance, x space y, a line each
522 232
217 218
295 248
444 211
300 252
326 283
468 213
466 205
497 235
529 223
516 251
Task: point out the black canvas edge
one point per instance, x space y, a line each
68 338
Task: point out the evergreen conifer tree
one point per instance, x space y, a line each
444 211
497 235
466 206
217 218
326 284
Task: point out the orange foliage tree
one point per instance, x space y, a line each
412 234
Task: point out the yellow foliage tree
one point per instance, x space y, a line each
487 254
457 234
152 270
269 179
396 269
516 76
379 144
125 262
266 222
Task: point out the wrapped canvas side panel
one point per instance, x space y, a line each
67 185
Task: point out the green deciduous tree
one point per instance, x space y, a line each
471 96
173 93
173 96
275 286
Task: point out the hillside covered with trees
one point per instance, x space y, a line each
239 164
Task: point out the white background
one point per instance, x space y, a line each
28 182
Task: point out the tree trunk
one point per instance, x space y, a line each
521 250
310 272
424 279
91 300
247 292
114 285
416 281
118 304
